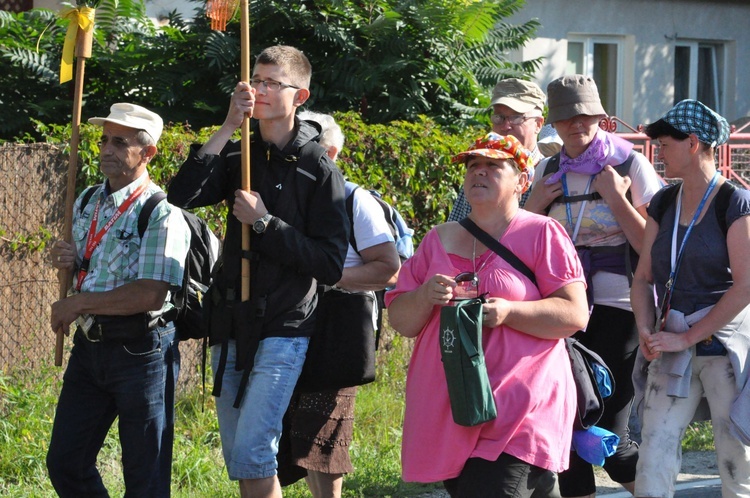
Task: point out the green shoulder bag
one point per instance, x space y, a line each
469 388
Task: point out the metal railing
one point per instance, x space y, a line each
733 157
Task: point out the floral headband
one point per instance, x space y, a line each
497 146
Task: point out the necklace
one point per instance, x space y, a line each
474 263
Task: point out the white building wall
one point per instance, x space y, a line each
653 25
155 9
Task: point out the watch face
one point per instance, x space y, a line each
259 226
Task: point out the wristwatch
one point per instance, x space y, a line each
259 225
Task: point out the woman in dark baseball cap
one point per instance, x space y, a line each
694 258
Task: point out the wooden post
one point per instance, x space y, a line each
84 41
245 139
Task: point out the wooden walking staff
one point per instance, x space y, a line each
78 42
220 11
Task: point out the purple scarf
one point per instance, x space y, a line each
605 148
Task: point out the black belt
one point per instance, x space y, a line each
115 328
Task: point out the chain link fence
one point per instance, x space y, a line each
32 204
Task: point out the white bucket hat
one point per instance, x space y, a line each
133 116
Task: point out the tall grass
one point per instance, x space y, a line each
27 406
28 400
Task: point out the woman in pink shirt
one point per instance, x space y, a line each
524 325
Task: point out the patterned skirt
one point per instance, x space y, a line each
319 428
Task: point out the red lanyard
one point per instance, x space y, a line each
94 238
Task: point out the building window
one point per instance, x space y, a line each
602 59
699 72
16 5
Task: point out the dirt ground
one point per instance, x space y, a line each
696 465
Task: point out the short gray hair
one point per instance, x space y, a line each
331 134
144 139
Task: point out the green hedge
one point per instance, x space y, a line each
408 163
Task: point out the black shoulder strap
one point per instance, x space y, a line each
87 194
498 248
147 209
308 169
554 164
668 195
624 167
721 203
723 196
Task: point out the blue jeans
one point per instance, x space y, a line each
134 381
250 435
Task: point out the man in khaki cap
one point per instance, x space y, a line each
124 360
517 107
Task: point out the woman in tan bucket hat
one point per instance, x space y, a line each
598 188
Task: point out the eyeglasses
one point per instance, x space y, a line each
515 119
271 85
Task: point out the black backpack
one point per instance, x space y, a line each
721 202
187 313
553 165
629 254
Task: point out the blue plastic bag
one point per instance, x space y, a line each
603 380
595 444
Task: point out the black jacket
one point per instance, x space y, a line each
306 241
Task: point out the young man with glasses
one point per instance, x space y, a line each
299 238
517 107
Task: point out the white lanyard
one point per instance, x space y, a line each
568 211
676 257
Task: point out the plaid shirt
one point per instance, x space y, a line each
461 208
121 256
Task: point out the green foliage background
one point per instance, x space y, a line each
407 162
385 59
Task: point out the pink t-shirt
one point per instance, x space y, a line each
531 377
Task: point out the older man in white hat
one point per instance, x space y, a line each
124 360
517 107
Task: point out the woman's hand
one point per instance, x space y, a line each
438 290
409 312
610 185
542 195
494 311
667 342
643 342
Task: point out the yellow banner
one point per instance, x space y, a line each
80 17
